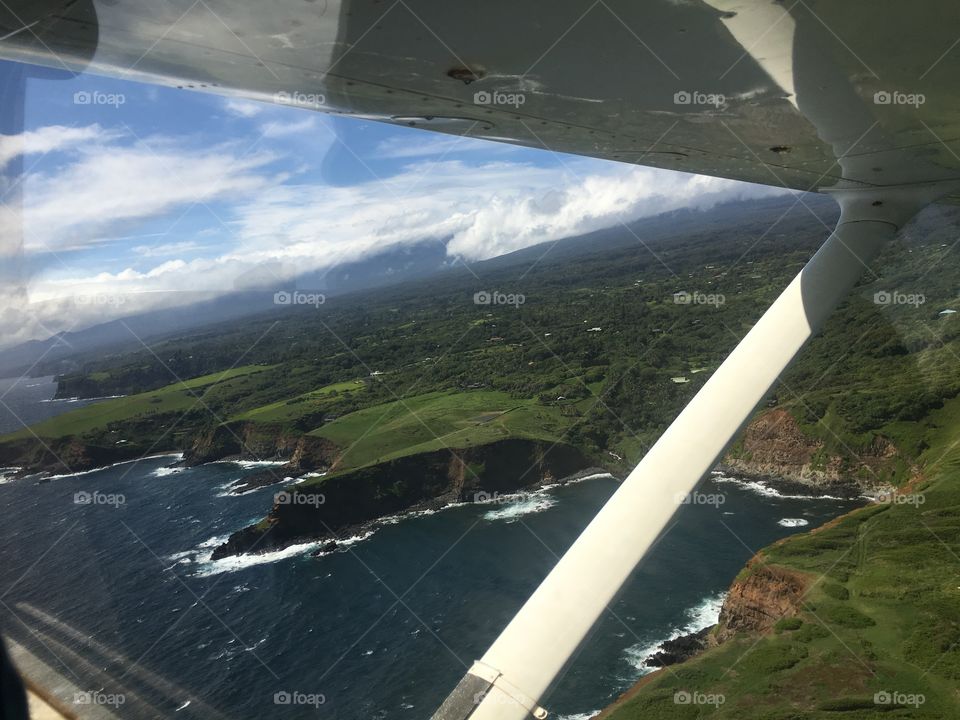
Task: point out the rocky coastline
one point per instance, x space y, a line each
348 503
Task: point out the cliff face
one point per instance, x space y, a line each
773 445
68 455
323 509
253 440
755 603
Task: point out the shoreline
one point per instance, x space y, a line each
350 534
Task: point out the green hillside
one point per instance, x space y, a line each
877 632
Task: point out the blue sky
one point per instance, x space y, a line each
154 194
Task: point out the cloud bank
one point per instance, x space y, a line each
108 217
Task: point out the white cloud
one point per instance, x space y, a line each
47 139
282 129
110 186
167 249
483 211
243 108
280 228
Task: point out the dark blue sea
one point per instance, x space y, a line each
106 578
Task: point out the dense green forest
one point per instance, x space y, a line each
615 332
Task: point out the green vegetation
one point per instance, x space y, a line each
436 420
872 377
179 397
879 627
610 391
306 404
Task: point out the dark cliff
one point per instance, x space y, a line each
324 508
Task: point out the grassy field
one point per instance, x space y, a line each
436 420
177 397
880 619
296 407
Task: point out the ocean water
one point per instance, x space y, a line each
27 400
120 594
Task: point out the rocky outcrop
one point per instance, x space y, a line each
58 456
774 446
271 476
314 453
679 649
343 503
761 596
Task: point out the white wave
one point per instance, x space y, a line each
233 563
245 464
214 541
513 510
793 522
79 399
226 487
201 553
762 488
178 455
308 476
702 615
166 471
594 476
7 474
579 716
346 542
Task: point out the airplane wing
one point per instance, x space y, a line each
702 87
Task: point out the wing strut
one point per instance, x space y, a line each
509 681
